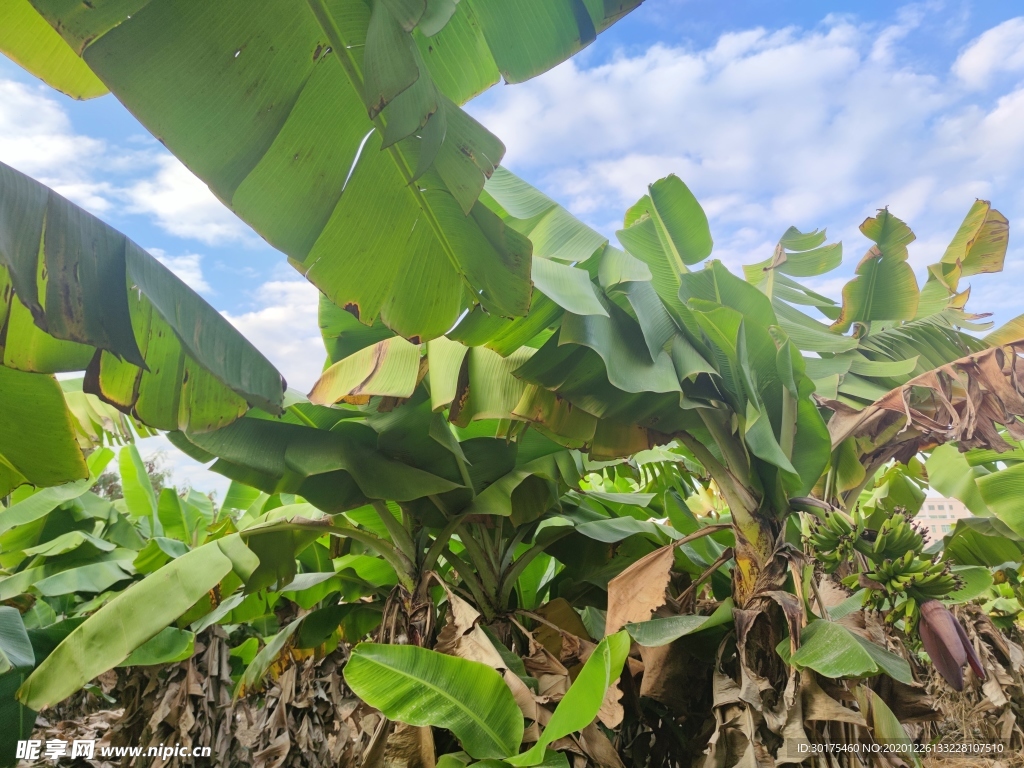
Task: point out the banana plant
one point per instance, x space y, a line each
495 371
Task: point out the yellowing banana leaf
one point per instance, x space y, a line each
489 390
343 334
978 246
389 368
1007 333
29 41
445 358
258 668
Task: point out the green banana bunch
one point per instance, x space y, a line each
896 536
921 576
900 577
901 582
906 582
831 537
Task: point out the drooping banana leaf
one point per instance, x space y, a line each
333 128
84 296
341 468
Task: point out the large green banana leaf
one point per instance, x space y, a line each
77 294
341 465
110 635
423 687
48 498
16 660
333 127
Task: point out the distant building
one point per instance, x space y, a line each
938 516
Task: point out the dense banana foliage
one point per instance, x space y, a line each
542 472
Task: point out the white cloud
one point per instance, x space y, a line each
284 327
188 268
1000 49
185 472
183 205
36 137
776 128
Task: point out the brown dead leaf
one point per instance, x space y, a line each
410 746
639 590
373 757
274 754
552 676
462 637
561 613
818 705
524 697
961 401
599 749
671 674
611 712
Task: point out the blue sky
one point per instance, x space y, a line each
775 113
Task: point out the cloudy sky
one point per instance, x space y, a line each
774 113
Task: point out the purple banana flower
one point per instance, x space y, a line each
947 644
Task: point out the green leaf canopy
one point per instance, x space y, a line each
333 127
